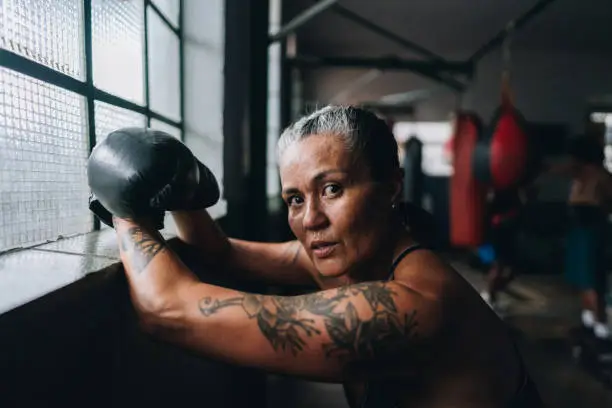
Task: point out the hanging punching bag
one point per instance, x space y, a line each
501 157
467 194
413 171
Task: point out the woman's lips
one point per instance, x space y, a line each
323 249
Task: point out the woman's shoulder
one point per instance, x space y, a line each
427 273
436 280
420 258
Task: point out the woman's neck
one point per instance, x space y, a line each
379 266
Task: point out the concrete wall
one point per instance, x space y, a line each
548 87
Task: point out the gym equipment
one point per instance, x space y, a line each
501 157
501 160
413 171
137 173
592 354
467 194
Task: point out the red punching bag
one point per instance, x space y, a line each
501 158
467 194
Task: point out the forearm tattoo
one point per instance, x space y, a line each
140 246
282 321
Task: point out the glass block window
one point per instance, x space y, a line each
170 9
43 153
46 31
164 68
118 47
110 118
164 127
45 128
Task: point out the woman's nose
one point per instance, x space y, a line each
314 216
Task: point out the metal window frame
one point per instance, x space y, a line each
87 89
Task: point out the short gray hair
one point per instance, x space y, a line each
364 134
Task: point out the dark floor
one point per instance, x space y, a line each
541 310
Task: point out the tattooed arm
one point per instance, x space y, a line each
322 336
276 263
313 336
153 270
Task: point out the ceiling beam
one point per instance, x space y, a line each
301 19
444 78
383 32
431 69
515 24
384 63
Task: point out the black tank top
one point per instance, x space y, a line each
377 394
400 257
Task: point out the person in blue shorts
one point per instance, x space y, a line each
504 209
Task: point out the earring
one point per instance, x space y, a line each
393 206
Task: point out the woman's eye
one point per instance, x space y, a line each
332 190
294 200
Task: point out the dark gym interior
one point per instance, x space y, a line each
226 77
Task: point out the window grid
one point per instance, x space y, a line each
117 48
47 105
43 152
62 23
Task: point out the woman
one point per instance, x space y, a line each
392 322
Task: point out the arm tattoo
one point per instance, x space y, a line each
141 247
282 322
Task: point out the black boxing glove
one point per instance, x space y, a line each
141 173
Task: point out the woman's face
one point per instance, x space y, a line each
338 213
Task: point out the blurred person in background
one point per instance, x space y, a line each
503 213
589 202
